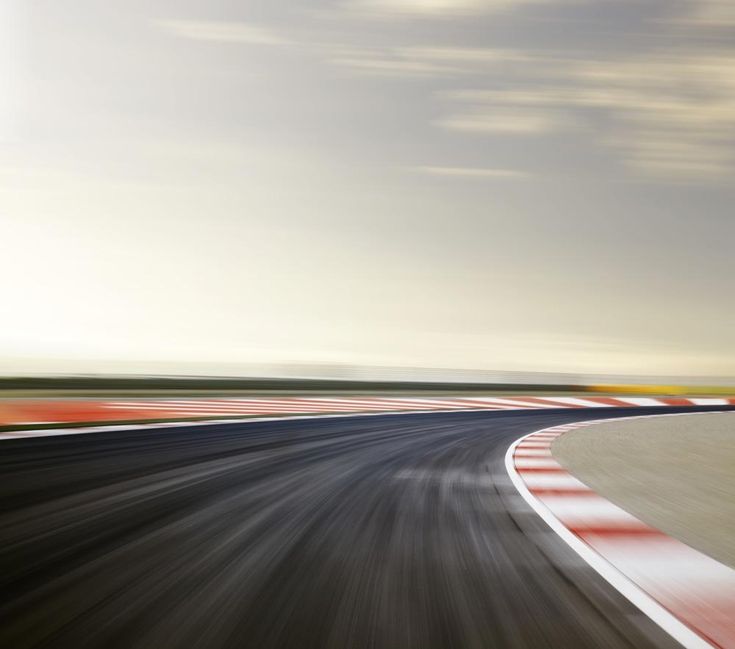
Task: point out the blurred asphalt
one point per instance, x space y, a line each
390 532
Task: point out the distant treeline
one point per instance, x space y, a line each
264 384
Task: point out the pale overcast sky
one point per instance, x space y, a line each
492 184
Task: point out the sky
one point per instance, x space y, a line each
521 185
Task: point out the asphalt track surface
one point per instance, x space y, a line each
393 532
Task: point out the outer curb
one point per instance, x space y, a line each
58 413
688 594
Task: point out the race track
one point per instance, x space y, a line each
388 532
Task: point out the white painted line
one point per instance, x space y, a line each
541 480
519 403
588 511
576 401
641 401
533 452
537 463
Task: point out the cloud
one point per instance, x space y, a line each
670 114
387 62
503 120
397 8
421 62
222 32
464 55
712 12
471 172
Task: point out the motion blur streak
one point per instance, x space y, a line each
383 531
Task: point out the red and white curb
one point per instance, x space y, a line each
111 428
25 412
687 593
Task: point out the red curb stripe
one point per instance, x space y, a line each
615 531
543 491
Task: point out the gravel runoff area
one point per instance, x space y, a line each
675 473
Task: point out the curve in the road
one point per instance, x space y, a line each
383 531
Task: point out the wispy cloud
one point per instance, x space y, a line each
397 8
481 56
712 12
425 61
386 62
503 120
470 172
669 114
222 32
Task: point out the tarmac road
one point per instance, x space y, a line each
388 532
